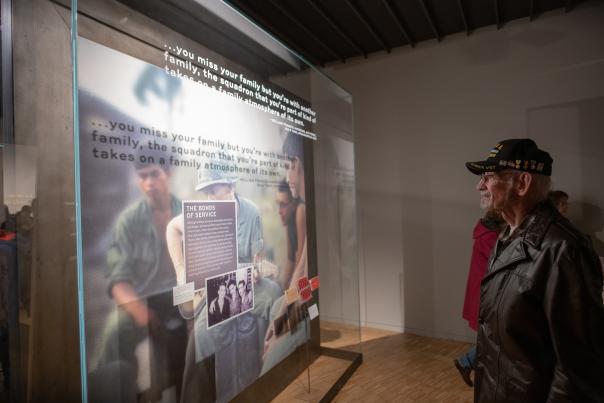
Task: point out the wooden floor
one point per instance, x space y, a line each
396 368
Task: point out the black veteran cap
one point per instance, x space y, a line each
518 154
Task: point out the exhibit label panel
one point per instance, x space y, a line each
210 239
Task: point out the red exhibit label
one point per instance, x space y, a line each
305 294
314 283
303 283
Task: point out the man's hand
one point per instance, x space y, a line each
269 340
140 313
271 337
187 309
126 297
211 306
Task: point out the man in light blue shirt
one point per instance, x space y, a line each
234 346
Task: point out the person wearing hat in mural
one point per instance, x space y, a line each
541 317
216 182
234 346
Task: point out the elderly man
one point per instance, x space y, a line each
541 320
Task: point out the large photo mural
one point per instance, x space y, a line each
193 230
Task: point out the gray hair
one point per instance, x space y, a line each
540 187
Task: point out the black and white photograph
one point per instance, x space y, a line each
229 295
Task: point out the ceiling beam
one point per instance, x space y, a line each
497 17
399 22
464 19
286 38
430 20
319 9
569 5
247 48
361 16
308 32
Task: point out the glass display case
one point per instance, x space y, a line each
187 225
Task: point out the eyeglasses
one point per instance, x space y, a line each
487 176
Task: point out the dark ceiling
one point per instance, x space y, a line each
326 31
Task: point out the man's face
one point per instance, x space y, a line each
495 190
295 177
220 191
153 181
232 289
286 207
222 290
241 288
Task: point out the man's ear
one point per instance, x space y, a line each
523 184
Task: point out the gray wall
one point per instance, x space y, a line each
420 113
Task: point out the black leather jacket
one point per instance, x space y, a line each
541 321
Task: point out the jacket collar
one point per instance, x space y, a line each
542 216
532 232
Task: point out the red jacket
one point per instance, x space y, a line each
484 241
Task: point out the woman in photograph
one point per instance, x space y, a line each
274 352
220 308
293 148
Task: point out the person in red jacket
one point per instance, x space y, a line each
485 235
